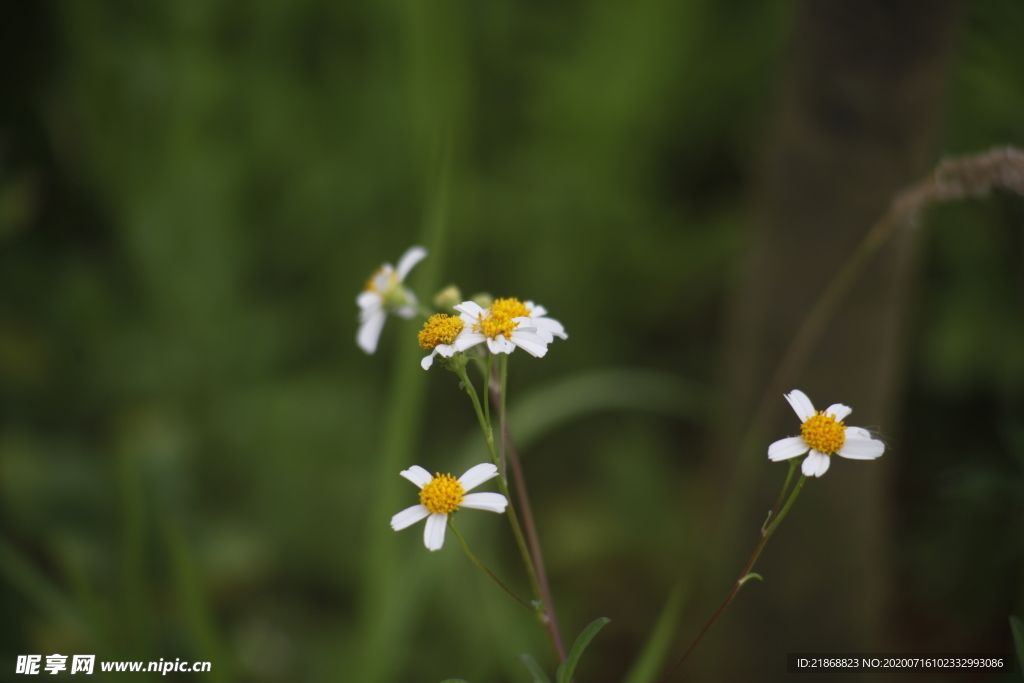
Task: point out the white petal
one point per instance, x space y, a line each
417 475
369 331
812 464
369 300
471 309
409 516
551 326
492 502
525 324
790 447
499 345
530 343
468 341
858 448
802 405
428 360
823 464
478 474
536 311
405 312
839 411
446 350
545 336
857 433
433 531
382 278
409 259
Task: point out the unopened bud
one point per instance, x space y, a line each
449 297
483 299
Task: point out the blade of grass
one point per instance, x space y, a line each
534 668
193 602
387 603
566 668
652 657
38 590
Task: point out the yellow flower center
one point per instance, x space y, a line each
499 318
823 433
442 495
440 329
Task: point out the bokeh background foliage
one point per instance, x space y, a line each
191 195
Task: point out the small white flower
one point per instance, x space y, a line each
385 294
442 495
506 325
823 434
438 336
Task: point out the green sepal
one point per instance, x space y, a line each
566 668
534 668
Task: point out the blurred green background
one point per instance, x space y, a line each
196 461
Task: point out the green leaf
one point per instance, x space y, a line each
566 668
534 668
1018 640
751 575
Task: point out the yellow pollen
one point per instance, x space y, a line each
823 433
499 318
440 329
442 495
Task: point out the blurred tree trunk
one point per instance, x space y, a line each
857 119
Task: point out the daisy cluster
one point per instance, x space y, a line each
501 327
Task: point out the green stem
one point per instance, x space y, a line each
485 424
513 518
766 533
523 496
487 388
782 494
487 571
503 365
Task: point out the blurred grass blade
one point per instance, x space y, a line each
534 668
616 389
387 610
543 410
1018 641
193 603
649 663
566 668
20 574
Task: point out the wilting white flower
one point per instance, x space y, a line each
823 434
385 294
504 326
442 495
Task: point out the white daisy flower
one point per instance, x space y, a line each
823 434
504 326
438 336
442 495
385 294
